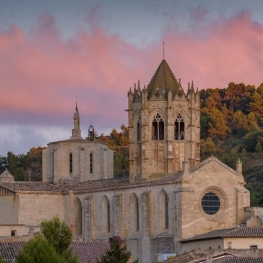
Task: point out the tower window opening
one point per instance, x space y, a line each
179 128
139 129
70 163
157 128
91 163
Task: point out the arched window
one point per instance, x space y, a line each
105 215
70 163
139 129
163 211
91 163
78 217
179 128
134 214
166 212
157 128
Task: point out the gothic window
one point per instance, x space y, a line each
78 217
137 215
179 128
70 163
106 220
108 217
157 128
134 214
166 212
163 211
139 129
91 163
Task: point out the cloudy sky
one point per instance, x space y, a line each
54 51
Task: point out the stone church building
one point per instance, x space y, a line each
169 196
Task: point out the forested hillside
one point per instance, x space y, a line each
231 128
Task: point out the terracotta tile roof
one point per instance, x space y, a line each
8 251
88 252
32 186
240 260
233 232
117 183
88 186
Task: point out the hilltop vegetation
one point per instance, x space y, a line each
231 128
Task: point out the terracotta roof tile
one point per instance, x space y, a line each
32 186
233 232
91 251
241 260
89 186
88 252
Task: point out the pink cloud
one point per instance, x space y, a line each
42 73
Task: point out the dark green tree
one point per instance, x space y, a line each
38 250
11 160
116 254
59 236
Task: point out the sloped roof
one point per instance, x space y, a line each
32 187
233 232
240 260
164 79
6 174
90 251
86 251
88 186
121 183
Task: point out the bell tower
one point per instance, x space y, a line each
164 126
76 132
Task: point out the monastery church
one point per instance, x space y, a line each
168 197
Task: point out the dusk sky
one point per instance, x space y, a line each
54 51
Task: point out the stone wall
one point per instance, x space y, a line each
34 208
9 209
56 161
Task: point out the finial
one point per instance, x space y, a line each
77 105
180 81
163 50
138 83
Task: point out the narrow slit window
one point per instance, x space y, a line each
70 163
91 163
139 129
157 128
166 212
137 216
179 131
108 216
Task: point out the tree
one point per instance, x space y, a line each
38 250
11 160
116 254
59 236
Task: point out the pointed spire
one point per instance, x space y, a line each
76 132
192 86
163 79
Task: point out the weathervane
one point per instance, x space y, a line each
163 50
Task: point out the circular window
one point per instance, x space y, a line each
210 203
